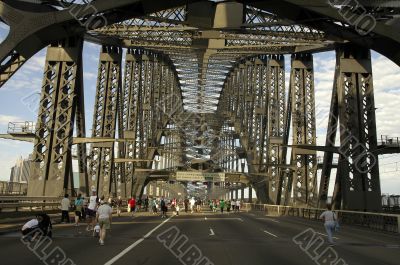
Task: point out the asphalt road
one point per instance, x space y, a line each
205 239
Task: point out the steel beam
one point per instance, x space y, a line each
357 184
303 122
52 161
101 166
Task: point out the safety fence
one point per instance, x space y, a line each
24 203
375 221
13 188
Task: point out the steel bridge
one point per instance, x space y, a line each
204 79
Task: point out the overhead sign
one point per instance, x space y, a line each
232 177
200 176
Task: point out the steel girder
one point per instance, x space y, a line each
35 25
303 128
101 165
276 114
244 101
152 100
61 97
357 182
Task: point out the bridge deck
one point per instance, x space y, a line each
241 238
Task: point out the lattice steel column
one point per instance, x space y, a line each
303 122
330 141
101 166
132 81
81 132
276 125
52 161
359 184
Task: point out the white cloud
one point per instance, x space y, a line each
5 119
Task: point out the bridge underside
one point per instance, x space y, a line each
186 81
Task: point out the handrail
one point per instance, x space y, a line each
379 221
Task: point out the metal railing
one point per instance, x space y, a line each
25 127
375 221
19 203
387 140
13 188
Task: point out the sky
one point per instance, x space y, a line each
19 99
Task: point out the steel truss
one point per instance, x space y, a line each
152 101
245 103
353 110
61 99
303 128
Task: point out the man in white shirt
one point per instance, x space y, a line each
330 219
238 205
91 210
192 202
30 230
65 203
30 226
104 218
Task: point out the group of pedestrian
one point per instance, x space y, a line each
222 204
96 211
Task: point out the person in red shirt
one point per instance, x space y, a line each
132 205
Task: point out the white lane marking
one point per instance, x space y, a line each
117 257
325 235
269 219
240 219
265 231
211 232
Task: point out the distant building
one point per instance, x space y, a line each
20 172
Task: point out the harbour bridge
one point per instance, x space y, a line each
199 91
204 80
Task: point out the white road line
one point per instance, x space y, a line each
212 232
269 219
241 220
117 257
325 235
265 231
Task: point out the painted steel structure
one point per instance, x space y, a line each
204 81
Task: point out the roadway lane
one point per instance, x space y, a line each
228 239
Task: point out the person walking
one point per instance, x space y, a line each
163 208
65 203
238 205
233 203
91 210
119 205
330 219
186 202
222 205
153 204
146 204
192 203
104 219
228 206
132 205
78 209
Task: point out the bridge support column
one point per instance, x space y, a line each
303 121
250 194
101 163
357 183
276 125
62 92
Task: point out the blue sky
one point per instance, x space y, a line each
19 99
